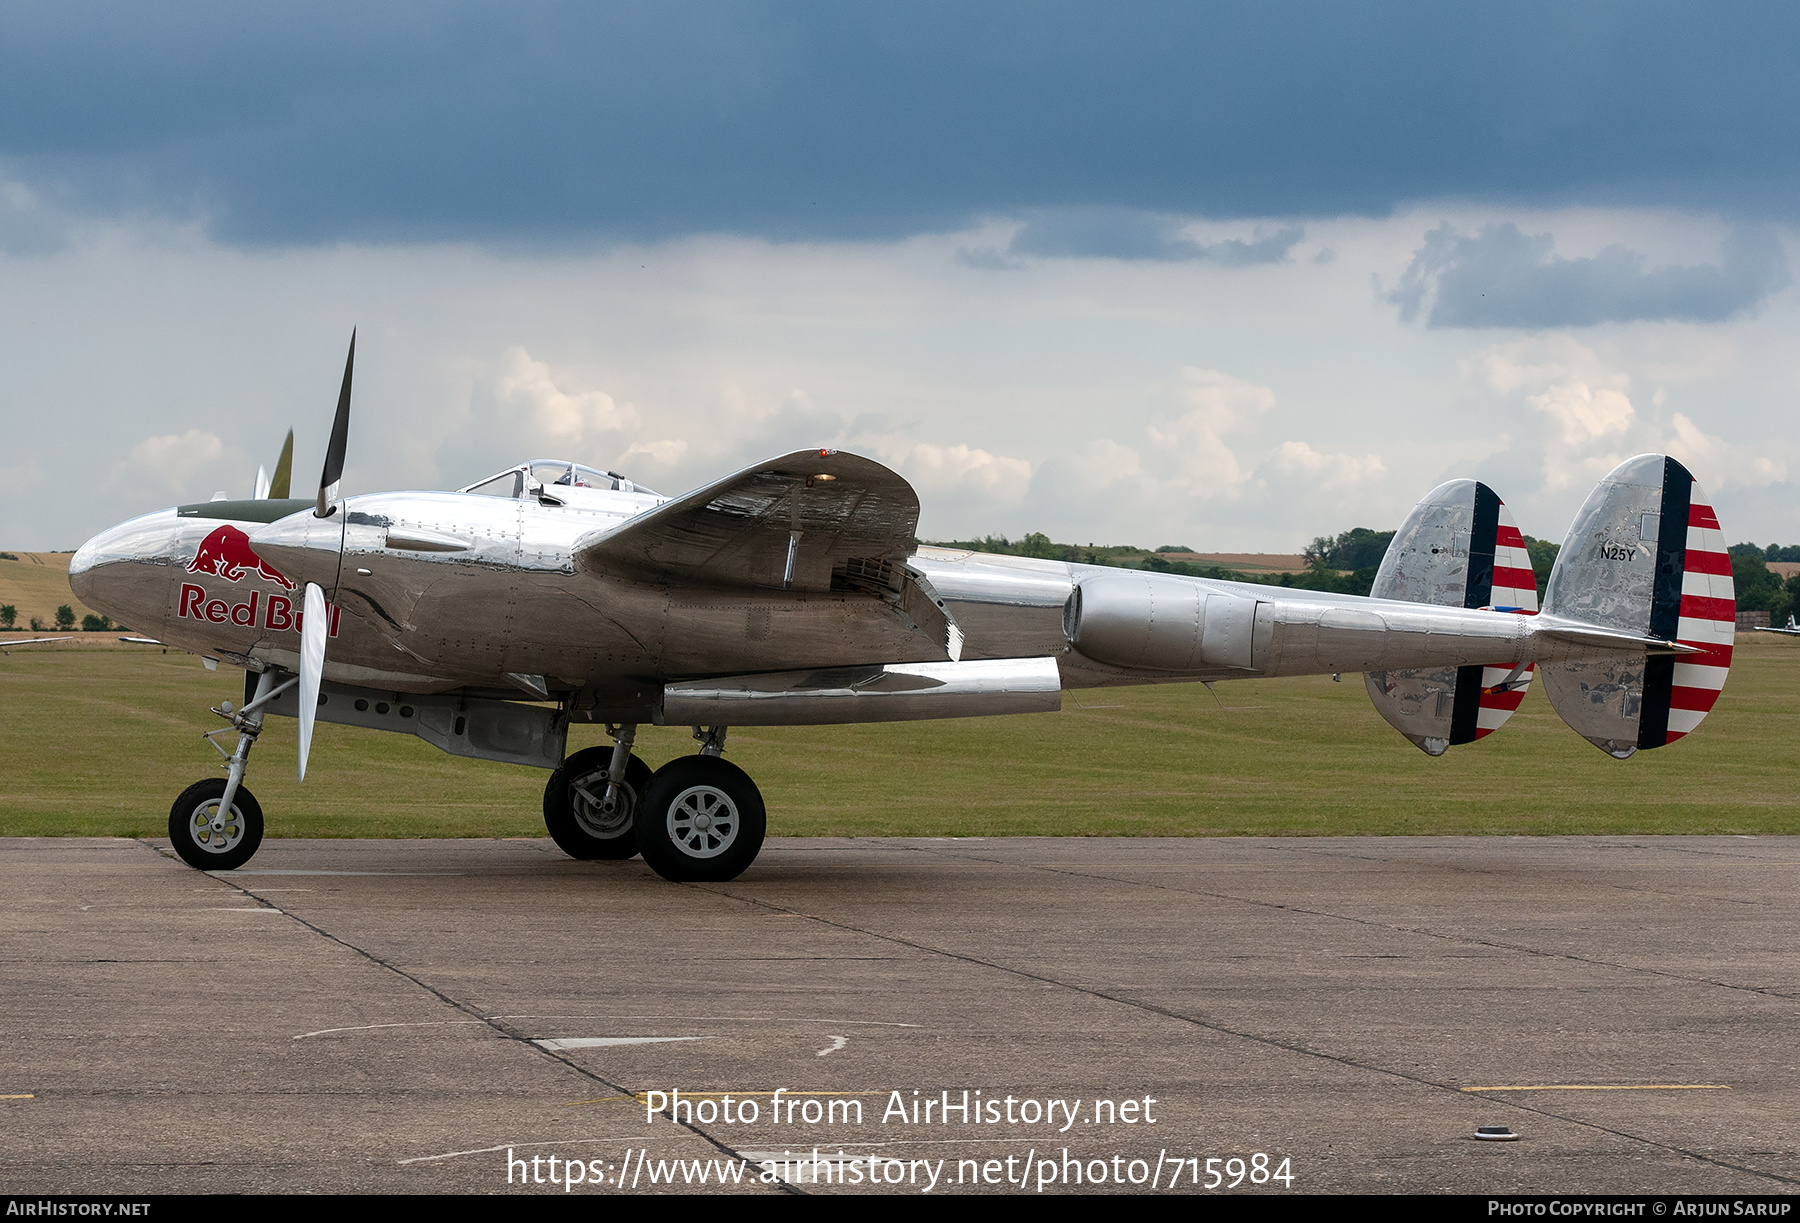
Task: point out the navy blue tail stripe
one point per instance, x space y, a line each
1484 532
1665 601
1465 715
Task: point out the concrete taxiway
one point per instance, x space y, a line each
398 1016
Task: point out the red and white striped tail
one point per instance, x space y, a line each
1708 619
1514 590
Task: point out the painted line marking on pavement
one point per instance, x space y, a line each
858 1023
607 1042
505 1146
422 874
1608 1087
369 1027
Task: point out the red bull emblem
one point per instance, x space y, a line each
226 553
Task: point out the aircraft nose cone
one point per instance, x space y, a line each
85 559
82 579
123 571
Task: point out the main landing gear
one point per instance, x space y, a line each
217 824
697 819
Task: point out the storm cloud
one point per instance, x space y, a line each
546 122
1502 277
1122 233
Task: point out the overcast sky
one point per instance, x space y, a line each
1228 276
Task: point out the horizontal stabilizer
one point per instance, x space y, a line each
1614 639
1644 565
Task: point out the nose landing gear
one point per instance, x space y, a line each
217 824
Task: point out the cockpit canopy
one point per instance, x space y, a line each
554 479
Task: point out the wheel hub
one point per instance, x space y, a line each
703 822
216 831
596 816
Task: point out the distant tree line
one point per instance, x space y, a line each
65 620
1357 548
1758 587
1347 564
1773 552
1321 574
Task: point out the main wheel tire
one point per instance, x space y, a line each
207 842
702 821
574 810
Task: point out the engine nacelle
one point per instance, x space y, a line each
895 692
1154 622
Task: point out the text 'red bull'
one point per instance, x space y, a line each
278 613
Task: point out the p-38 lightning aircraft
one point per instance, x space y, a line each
486 620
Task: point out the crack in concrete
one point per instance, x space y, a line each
504 1029
1242 1034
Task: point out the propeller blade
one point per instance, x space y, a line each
284 470
313 629
260 490
333 475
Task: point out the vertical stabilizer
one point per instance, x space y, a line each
1458 548
1644 556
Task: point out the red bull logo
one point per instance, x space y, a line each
226 553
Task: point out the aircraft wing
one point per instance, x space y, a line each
783 524
32 640
1789 632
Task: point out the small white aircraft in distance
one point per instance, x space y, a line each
487 620
1792 629
8 643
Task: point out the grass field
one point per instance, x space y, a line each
37 583
98 741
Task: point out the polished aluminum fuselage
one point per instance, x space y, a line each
508 600
439 592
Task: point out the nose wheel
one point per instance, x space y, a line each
212 838
702 820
